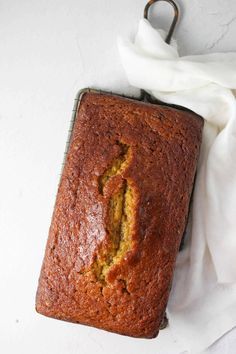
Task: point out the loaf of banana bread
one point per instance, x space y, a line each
120 213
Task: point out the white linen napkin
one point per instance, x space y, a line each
202 305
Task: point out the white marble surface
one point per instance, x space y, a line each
48 50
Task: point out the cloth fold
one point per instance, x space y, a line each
202 305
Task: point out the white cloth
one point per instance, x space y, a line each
202 305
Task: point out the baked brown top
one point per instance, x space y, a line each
120 214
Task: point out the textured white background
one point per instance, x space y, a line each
48 50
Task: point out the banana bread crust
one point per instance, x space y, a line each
120 214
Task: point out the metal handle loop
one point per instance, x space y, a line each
175 19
